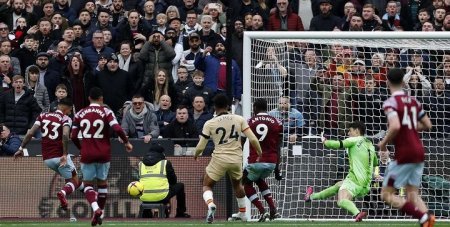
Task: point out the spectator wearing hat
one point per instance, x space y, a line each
171 39
195 51
115 83
18 107
176 25
357 73
326 20
214 67
134 30
47 77
284 19
156 54
38 90
92 52
159 186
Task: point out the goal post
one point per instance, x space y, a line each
337 90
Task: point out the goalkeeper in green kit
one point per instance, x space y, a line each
362 160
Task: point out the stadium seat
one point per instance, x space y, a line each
161 207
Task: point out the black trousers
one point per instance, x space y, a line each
178 191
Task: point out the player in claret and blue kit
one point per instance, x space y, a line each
406 118
268 130
92 124
55 129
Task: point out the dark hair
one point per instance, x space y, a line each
103 10
221 101
259 105
84 10
180 107
358 125
95 93
395 76
138 96
65 101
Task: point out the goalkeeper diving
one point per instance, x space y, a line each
362 160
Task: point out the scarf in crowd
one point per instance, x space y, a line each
124 64
140 116
393 24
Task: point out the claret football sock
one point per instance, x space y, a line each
250 192
266 193
68 188
412 210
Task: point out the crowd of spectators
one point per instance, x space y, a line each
160 62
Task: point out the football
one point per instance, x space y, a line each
135 188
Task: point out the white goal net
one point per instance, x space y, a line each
333 79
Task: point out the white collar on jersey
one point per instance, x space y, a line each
94 104
262 114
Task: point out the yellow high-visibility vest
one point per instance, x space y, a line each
154 179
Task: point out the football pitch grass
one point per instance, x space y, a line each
195 223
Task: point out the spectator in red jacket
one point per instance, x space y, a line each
284 19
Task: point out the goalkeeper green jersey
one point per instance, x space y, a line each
361 155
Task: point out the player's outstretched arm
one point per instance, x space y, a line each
253 141
424 124
338 144
26 140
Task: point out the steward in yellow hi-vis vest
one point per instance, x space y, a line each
154 178
160 182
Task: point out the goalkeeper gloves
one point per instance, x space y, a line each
278 175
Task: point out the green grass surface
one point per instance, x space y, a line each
218 223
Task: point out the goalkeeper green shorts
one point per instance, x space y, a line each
354 189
